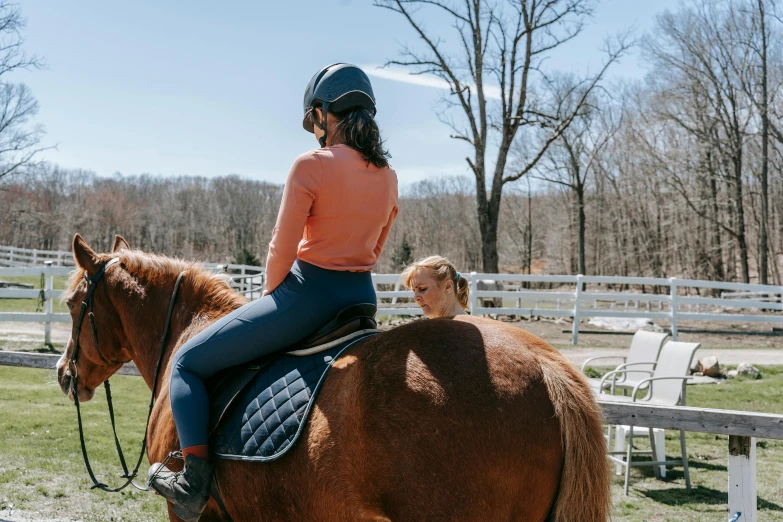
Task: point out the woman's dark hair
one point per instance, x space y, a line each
356 128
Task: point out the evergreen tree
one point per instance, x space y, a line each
246 257
402 255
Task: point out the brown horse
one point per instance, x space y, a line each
447 419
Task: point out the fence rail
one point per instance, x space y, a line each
12 256
576 297
245 279
742 427
586 296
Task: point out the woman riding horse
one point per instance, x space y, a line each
338 205
463 419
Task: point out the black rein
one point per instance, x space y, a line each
88 302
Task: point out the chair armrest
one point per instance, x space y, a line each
626 365
591 359
615 373
651 379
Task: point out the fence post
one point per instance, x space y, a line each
742 478
673 305
577 307
48 305
35 257
473 298
11 256
396 289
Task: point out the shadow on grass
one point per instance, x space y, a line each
47 348
677 472
771 506
679 496
700 464
699 495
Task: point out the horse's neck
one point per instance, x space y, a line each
145 329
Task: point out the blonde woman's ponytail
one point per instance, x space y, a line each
443 270
463 291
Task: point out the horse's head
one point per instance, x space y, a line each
95 318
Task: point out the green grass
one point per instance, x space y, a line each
652 499
59 281
41 469
30 305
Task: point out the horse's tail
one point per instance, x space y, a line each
584 493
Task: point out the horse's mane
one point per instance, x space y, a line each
156 269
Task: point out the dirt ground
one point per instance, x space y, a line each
731 343
31 333
754 343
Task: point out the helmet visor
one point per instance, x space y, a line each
310 120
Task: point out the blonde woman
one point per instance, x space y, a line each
438 288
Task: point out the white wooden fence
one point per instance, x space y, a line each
575 297
248 280
743 428
48 294
583 296
12 256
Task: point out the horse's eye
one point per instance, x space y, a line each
70 306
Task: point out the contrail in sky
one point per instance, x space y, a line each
425 80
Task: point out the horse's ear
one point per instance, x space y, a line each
84 256
120 244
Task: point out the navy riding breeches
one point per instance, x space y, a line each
307 299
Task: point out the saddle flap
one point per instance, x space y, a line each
224 386
266 416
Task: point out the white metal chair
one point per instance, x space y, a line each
666 385
642 356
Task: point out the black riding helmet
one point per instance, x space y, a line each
339 87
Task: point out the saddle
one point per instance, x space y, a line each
258 410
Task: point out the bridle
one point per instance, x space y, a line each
88 303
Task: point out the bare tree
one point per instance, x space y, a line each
517 229
20 138
696 49
764 109
502 46
575 154
752 31
677 132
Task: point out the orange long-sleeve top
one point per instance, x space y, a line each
336 213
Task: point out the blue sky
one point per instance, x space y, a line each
207 88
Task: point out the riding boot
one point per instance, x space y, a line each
188 490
